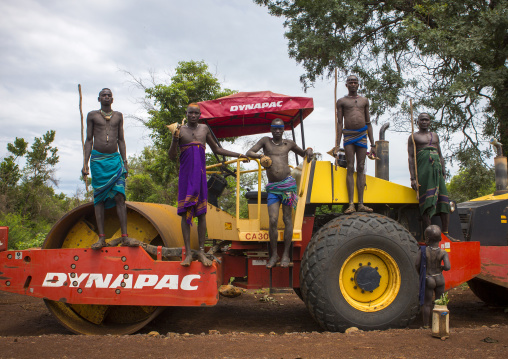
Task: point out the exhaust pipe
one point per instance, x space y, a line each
383 153
501 169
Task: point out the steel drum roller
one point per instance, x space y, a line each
156 224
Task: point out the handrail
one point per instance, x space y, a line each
227 162
242 172
238 190
304 177
238 160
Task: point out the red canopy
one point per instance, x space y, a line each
249 113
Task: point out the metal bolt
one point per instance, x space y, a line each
126 267
126 276
359 264
9 256
355 287
375 268
354 270
80 290
117 291
76 258
363 291
73 266
372 291
368 264
73 275
75 283
7 283
352 279
124 258
123 284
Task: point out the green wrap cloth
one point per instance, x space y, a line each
432 191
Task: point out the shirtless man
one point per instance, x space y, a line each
354 123
436 262
104 138
192 188
281 187
433 195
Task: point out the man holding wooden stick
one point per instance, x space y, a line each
428 164
105 147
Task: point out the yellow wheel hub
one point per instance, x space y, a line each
369 279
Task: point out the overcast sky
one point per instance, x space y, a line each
49 47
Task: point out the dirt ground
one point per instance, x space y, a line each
252 325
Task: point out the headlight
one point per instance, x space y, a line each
453 206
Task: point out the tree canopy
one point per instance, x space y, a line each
167 103
153 177
450 56
28 202
473 180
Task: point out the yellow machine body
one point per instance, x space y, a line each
222 225
320 183
328 186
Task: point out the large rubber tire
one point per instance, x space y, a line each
490 293
337 251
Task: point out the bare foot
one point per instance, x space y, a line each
130 242
284 263
187 261
451 238
273 260
364 208
350 209
101 243
202 258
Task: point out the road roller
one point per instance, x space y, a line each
349 270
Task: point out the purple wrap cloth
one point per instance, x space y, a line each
192 188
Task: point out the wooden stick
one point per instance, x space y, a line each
336 119
335 105
82 135
414 149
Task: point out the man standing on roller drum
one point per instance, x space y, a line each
105 148
191 139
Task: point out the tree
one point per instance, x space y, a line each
28 203
449 55
474 179
167 103
150 177
153 177
10 173
38 175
